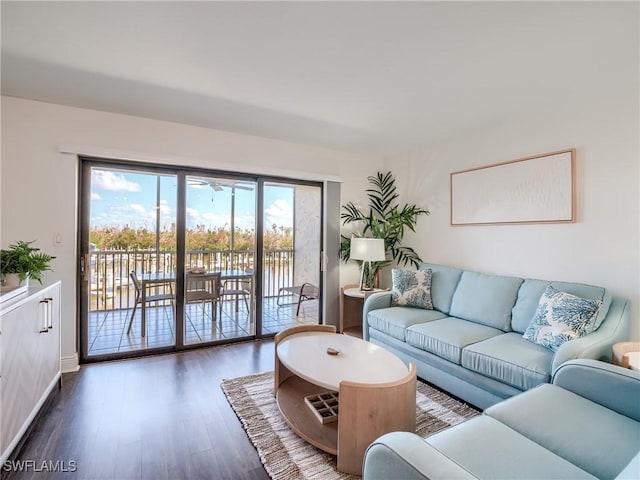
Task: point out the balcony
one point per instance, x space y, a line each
112 297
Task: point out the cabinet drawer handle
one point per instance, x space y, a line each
49 301
45 317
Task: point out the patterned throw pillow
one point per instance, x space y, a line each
411 288
561 317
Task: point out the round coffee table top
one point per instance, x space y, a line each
305 355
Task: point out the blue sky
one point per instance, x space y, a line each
120 198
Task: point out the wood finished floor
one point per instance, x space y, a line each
160 417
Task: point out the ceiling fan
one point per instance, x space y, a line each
219 185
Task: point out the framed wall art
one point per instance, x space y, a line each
538 189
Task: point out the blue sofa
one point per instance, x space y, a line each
585 424
471 344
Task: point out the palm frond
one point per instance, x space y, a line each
381 198
351 214
385 219
404 255
345 248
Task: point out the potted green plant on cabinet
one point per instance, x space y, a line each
22 261
385 219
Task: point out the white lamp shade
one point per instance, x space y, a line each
368 249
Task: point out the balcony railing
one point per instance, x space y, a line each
111 287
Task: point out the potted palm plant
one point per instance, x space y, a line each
384 219
22 261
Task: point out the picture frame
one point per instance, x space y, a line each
536 189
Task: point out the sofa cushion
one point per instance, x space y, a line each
527 303
411 288
531 291
406 456
561 317
444 281
394 320
492 450
485 299
632 470
583 432
510 359
448 336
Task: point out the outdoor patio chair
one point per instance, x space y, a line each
238 287
204 287
305 292
148 298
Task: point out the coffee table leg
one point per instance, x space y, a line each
368 411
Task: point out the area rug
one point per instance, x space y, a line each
286 456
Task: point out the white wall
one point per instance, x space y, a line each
601 248
39 184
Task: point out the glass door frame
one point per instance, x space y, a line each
86 166
183 248
87 163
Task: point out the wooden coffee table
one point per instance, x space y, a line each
377 392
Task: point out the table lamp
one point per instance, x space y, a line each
368 250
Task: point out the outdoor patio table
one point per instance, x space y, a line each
161 278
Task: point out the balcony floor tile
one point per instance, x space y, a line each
108 329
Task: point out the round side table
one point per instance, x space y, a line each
351 304
627 355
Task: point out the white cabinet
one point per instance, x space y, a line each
29 360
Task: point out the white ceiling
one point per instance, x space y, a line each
376 77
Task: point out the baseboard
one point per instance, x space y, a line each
70 363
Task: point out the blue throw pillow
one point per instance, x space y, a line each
411 288
561 317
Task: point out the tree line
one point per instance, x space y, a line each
199 238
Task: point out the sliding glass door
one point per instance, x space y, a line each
173 258
220 244
291 255
128 261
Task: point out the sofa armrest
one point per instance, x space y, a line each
373 302
599 344
611 386
407 456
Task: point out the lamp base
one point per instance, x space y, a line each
364 286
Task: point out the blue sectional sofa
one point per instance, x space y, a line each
585 424
471 344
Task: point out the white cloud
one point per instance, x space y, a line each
215 219
279 212
193 216
246 222
208 219
95 196
107 180
139 209
134 215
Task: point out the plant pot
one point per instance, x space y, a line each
13 280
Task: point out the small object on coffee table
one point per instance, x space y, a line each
332 351
324 406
